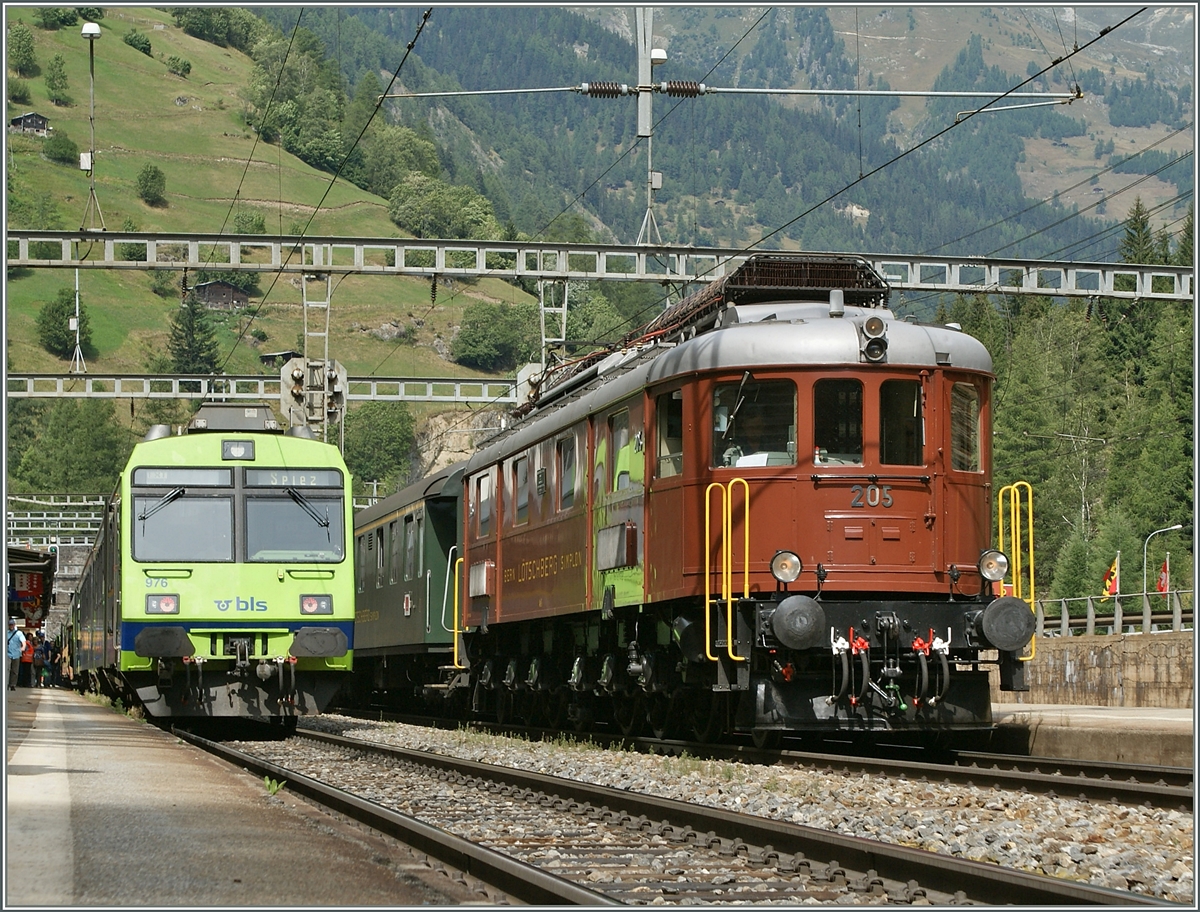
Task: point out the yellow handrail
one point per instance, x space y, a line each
708 562
1014 502
729 640
457 569
726 563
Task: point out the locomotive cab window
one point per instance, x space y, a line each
174 525
965 444
901 425
669 431
566 473
754 423
837 422
295 516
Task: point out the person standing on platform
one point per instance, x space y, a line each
41 661
16 646
26 677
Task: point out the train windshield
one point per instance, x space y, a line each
178 526
295 526
754 423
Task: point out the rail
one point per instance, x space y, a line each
1159 611
424 258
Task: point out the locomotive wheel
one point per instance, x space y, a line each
629 714
664 715
766 738
554 707
707 715
528 707
504 706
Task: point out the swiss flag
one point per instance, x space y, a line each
1164 578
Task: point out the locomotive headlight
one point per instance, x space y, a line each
875 349
874 327
786 566
993 565
316 604
162 604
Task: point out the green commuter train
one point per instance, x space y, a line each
221 583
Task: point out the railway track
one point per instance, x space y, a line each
544 839
1153 786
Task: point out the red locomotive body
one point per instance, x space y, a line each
769 512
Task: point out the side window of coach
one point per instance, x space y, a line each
483 506
566 473
362 561
520 482
393 552
622 449
669 411
964 428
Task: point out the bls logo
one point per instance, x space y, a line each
241 604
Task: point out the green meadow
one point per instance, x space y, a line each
191 129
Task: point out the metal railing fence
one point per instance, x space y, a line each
1145 612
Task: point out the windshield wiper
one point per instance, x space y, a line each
308 508
162 502
736 406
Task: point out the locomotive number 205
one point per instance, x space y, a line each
871 496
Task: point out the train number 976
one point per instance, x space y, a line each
871 496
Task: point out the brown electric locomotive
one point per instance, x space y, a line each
769 511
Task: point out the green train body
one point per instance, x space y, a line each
222 581
405 548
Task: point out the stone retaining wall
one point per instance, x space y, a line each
1127 670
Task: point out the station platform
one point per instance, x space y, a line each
1117 734
107 811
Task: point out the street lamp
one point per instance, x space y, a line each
91 32
87 162
1148 537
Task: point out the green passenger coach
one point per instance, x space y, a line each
222 582
406 546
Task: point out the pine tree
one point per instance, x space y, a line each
193 341
1187 238
1138 244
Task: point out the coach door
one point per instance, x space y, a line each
968 503
618 505
665 503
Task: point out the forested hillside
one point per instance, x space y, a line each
737 168
1093 401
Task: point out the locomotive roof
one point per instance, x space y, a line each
445 481
779 334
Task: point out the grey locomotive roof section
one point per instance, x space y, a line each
804 333
759 335
432 486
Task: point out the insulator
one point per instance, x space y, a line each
433 291
605 89
683 88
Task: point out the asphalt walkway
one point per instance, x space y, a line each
104 810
